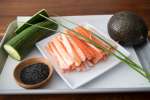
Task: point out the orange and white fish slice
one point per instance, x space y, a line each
62 63
62 51
70 49
83 46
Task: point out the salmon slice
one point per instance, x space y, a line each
62 51
62 63
83 46
70 50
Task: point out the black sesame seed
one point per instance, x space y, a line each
34 73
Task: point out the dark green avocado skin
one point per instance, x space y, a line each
127 28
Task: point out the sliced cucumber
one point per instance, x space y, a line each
13 53
20 45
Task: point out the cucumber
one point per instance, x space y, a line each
36 18
21 44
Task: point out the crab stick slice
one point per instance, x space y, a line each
88 34
77 49
49 50
62 51
70 50
63 65
100 55
83 46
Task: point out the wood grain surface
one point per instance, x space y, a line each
116 96
9 9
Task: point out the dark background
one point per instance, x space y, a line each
9 9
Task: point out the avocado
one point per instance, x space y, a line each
127 28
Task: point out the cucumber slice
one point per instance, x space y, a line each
13 53
21 44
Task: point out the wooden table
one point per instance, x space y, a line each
9 9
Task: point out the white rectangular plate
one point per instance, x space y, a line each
76 79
